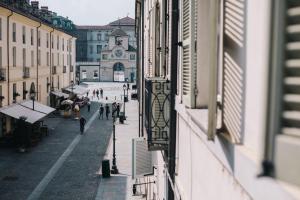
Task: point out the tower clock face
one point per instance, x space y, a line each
118 53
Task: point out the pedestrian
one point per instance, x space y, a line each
118 110
77 110
106 98
107 111
101 93
101 111
97 92
128 86
87 94
114 109
89 105
94 92
82 122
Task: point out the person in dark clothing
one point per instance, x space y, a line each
107 111
128 86
101 93
82 122
97 93
101 111
118 110
89 106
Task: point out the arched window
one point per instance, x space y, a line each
119 67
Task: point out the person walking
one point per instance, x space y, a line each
87 93
89 105
118 110
94 92
107 111
97 93
82 122
77 111
101 111
101 93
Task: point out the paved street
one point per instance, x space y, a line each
45 172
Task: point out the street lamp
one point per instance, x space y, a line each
114 168
32 97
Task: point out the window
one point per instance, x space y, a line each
63 44
68 60
32 58
57 42
1 64
282 144
39 57
14 53
52 41
99 36
14 34
47 84
132 56
47 57
24 34
24 57
157 40
91 37
99 48
14 92
0 28
47 40
52 59
24 90
58 82
31 36
1 95
91 49
57 59
70 46
95 76
63 59
39 38
104 56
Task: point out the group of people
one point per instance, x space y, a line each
97 93
115 109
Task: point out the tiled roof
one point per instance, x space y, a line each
126 21
87 27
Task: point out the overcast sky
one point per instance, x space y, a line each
91 12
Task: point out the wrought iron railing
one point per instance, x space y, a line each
157 113
26 72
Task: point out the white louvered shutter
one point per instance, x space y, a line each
233 68
189 57
291 96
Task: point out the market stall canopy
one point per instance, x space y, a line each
76 89
67 102
60 94
24 109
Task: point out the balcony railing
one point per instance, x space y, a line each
157 113
54 70
64 69
2 74
26 72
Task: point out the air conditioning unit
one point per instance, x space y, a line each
157 113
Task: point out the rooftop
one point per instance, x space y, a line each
126 21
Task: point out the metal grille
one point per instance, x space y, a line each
233 68
157 112
291 97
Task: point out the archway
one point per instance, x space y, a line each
119 72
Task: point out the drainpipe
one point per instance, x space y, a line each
143 68
50 57
173 114
8 50
37 60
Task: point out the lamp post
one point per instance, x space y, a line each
32 97
114 168
124 88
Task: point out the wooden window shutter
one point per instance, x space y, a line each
233 68
150 47
189 57
282 147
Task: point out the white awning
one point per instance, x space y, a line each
60 94
76 89
24 109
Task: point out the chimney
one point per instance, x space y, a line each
35 5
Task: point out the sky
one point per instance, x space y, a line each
91 12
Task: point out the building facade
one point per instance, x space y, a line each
33 54
231 69
92 41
